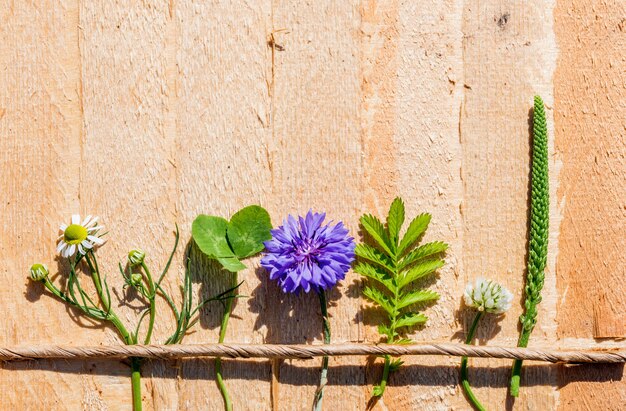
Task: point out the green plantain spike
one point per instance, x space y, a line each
538 238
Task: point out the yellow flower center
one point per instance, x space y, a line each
75 234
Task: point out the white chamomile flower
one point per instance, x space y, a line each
488 296
136 257
79 236
38 272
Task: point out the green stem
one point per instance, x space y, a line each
97 281
386 372
126 336
135 377
228 405
390 340
517 364
464 380
152 297
317 402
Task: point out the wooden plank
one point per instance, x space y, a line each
127 175
222 114
590 136
315 154
589 88
40 158
508 55
149 113
412 149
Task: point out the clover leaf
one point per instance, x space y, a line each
228 242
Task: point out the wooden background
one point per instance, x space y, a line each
150 112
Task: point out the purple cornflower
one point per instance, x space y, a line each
304 255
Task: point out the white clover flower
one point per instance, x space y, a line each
79 236
488 296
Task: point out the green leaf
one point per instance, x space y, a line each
377 391
369 271
395 219
419 271
370 253
421 252
415 297
395 365
232 264
376 229
379 298
209 233
410 320
415 230
248 229
385 330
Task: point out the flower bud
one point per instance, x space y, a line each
136 257
488 296
136 279
38 272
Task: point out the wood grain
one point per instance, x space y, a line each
40 157
590 136
315 154
149 112
508 55
590 108
416 154
221 111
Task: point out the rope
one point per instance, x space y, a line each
167 352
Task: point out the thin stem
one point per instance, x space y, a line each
152 298
390 340
169 260
228 405
517 364
385 378
135 378
464 380
58 293
317 402
129 339
169 300
97 282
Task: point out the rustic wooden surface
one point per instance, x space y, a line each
148 113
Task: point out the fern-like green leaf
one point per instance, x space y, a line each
379 298
375 273
415 230
387 331
391 265
395 219
411 320
421 252
370 253
418 271
395 365
377 231
414 297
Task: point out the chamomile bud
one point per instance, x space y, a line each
136 257
38 272
136 279
488 296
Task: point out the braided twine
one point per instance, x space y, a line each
276 351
